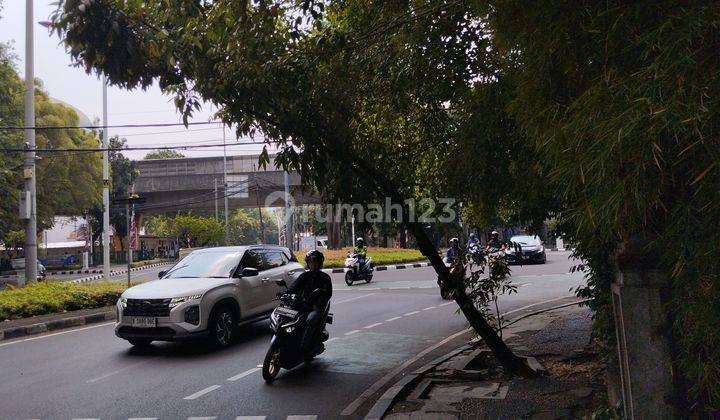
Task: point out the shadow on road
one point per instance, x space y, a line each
200 347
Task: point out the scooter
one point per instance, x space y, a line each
288 323
356 270
449 263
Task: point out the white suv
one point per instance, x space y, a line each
209 293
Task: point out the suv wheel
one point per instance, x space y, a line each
222 326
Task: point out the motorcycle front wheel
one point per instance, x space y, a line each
271 364
349 278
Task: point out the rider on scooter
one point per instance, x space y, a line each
305 284
453 253
494 244
361 252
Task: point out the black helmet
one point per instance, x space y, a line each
359 241
314 255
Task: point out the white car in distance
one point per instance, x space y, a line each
209 293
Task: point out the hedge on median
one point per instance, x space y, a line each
380 256
53 296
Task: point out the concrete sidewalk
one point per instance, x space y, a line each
469 384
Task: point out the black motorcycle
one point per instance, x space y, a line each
288 322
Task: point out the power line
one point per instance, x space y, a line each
98 127
100 149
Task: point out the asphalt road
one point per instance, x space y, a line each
89 373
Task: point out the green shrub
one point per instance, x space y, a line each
53 296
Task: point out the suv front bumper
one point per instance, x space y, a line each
167 328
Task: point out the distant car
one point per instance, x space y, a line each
209 293
533 250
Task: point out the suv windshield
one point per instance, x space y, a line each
205 264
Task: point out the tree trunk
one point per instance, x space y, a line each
403 236
511 363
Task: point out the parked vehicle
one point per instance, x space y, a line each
530 250
288 323
357 268
313 242
41 272
209 293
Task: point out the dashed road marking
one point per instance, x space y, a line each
202 392
446 304
373 325
393 318
142 418
243 374
250 418
332 339
202 418
352 332
429 308
301 417
412 313
355 298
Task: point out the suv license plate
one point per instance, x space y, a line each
143 322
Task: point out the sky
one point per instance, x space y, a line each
72 85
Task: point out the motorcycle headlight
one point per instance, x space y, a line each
289 329
178 300
123 302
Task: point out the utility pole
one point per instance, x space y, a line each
288 214
105 186
216 203
132 199
30 248
225 183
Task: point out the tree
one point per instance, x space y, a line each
164 154
197 231
351 108
159 225
244 227
123 172
67 182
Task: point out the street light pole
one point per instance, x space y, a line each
225 183
288 213
30 248
105 185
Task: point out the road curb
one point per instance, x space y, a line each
392 394
57 324
384 267
99 276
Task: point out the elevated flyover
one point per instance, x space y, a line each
189 184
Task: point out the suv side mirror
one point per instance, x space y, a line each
161 274
249 272
281 282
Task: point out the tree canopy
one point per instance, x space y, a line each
164 154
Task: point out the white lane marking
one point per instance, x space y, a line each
202 392
114 372
429 308
86 418
250 418
393 318
202 418
373 325
332 339
142 418
301 417
350 409
399 288
259 366
244 374
352 332
446 304
355 298
57 333
412 313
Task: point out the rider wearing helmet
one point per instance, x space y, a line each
314 278
473 240
494 243
453 253
361 252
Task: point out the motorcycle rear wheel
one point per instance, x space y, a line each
271 364
349 279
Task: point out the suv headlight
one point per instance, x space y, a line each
123 302
178 300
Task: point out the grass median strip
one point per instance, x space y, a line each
54 297
380 256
